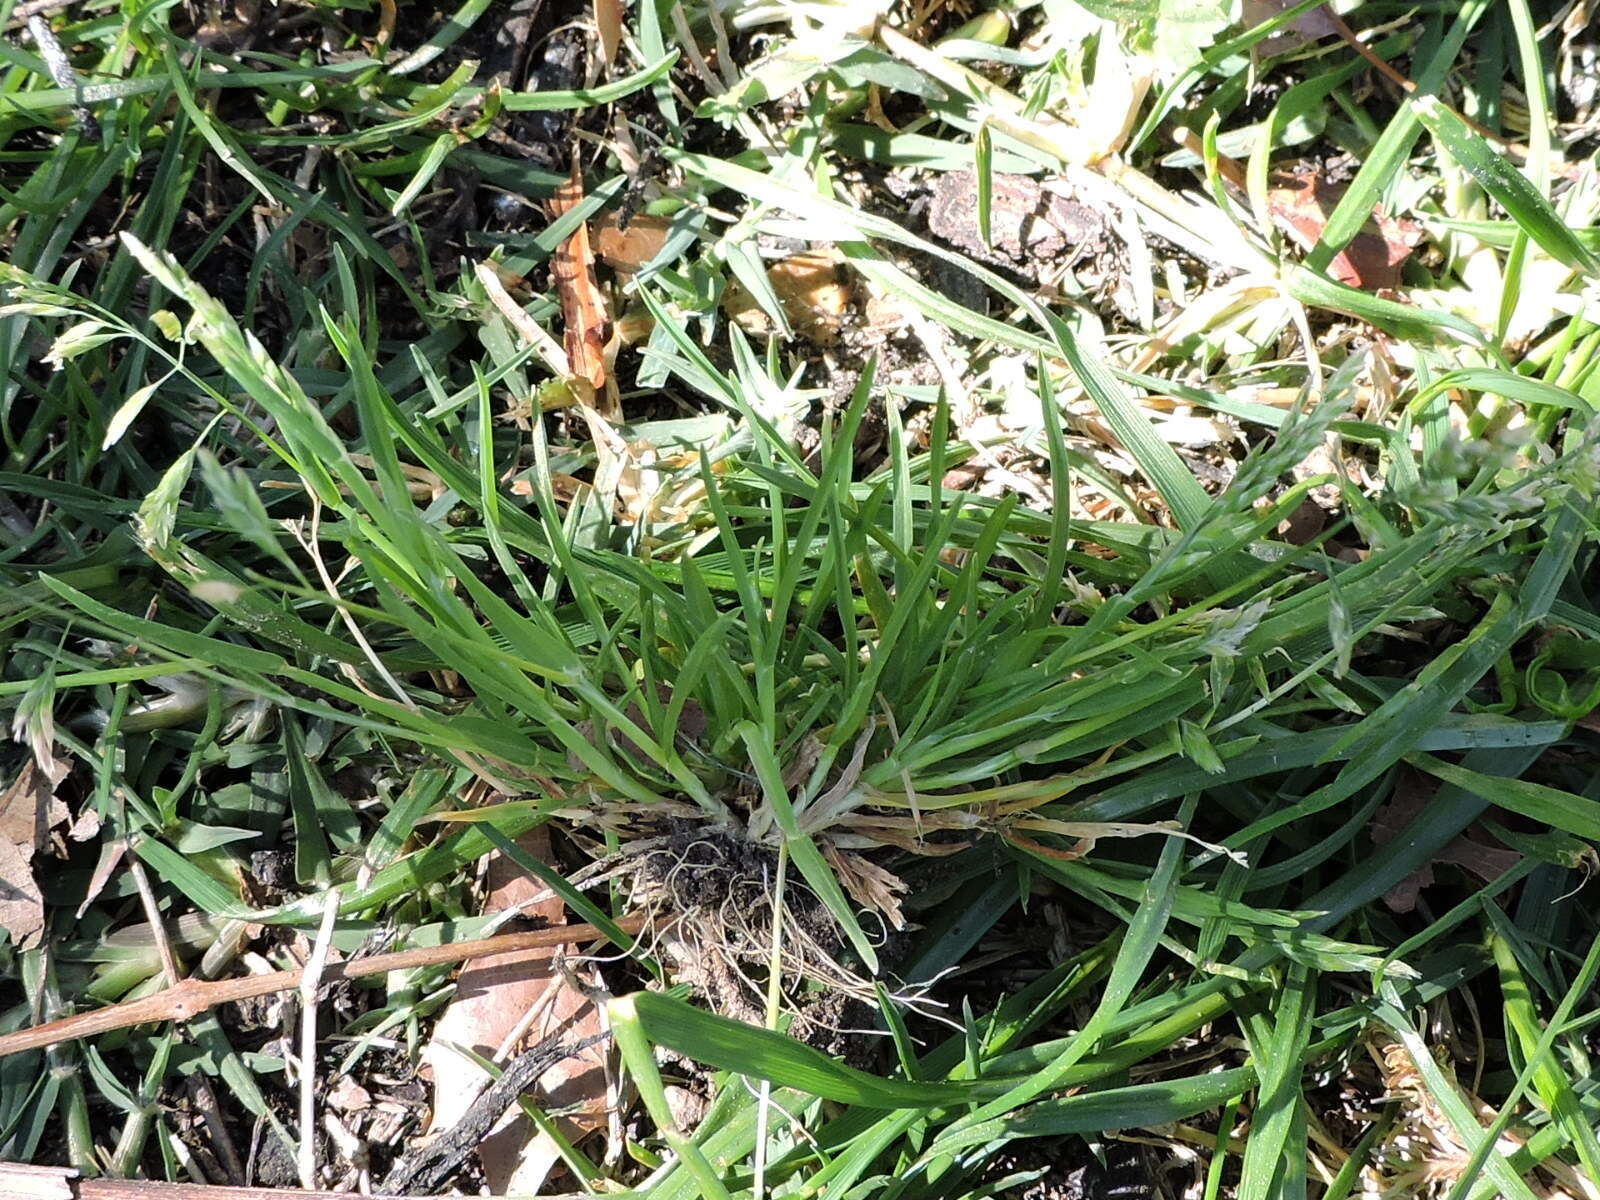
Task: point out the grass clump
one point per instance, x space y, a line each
1217 608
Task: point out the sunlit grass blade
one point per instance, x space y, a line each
1508 186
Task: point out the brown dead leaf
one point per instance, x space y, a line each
1302 526
86 826
883 313
583 309
29 810
812 290
1414 792
1030 225
608 17
870 885
496 996
21 905
565 488
1301 202
626 250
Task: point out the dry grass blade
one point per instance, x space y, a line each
310 981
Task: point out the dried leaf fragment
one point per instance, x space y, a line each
29 810
21 904
608 19
1029 224
520 996
1301 203
1308 27
1483 859
869 885
583 308
814 295
626 250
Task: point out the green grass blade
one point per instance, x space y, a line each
782 1061
1508 186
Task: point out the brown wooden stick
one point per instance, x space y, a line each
194 996
19 1182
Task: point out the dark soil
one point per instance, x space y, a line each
1068 1169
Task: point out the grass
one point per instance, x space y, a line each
291 565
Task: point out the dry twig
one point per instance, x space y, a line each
19 1182
424 1169
194 996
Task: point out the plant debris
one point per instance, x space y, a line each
424 1169
30 809
502 1001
